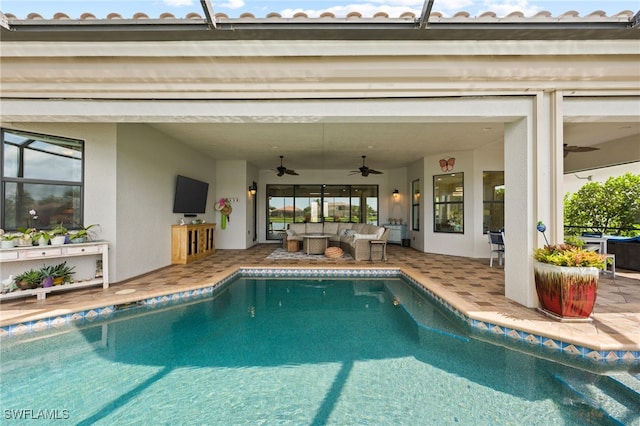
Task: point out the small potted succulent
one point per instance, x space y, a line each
566 278
29 279
62 273
47 273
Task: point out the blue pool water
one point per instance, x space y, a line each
282 351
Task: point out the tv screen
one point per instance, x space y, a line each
190 196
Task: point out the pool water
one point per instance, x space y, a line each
282 351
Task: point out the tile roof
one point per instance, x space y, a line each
597 15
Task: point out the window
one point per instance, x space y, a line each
43 174
319 203
415 205
448 203
492 201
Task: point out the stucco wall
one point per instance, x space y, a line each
147 165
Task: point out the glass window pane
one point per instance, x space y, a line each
448 203
308 201
42 157
53 204
493 201
335 206
42 173
280 209
415 202
448 188
365 198
449 217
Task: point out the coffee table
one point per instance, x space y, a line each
315 243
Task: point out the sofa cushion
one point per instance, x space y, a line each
344 225
314 228
331 228
369 229
298 228
359 227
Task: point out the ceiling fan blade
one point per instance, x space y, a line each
291 172
374 172
580 149
575 148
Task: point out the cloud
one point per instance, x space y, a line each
503 8
231 4
178 3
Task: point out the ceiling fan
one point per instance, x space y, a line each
364 170
572 148
282 170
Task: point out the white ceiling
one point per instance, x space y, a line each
341 145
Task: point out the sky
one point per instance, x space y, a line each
313 8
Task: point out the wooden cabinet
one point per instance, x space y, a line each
396 233
192 242
94 272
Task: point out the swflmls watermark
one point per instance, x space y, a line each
31 414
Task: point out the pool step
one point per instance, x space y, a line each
616 396
427 317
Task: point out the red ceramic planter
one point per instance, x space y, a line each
568 292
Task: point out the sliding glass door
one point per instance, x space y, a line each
319 203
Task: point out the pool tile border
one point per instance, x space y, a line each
478 326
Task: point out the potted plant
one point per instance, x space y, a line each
29 279
42 237
47 273
566 278
8 240
81 235
58 235
62 273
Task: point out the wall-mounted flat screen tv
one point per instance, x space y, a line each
190 196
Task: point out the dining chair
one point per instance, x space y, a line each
496 246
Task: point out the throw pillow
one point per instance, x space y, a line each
290 233
365 237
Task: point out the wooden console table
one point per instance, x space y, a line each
192 242
19 259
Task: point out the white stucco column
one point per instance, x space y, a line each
533 177
519 209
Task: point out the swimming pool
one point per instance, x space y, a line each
284 351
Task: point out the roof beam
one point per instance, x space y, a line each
4 22
423 22
635 21
208 14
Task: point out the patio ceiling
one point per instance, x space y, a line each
341 145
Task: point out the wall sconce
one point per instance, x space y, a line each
417 194
253 188
396 194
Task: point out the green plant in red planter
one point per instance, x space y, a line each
566 277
